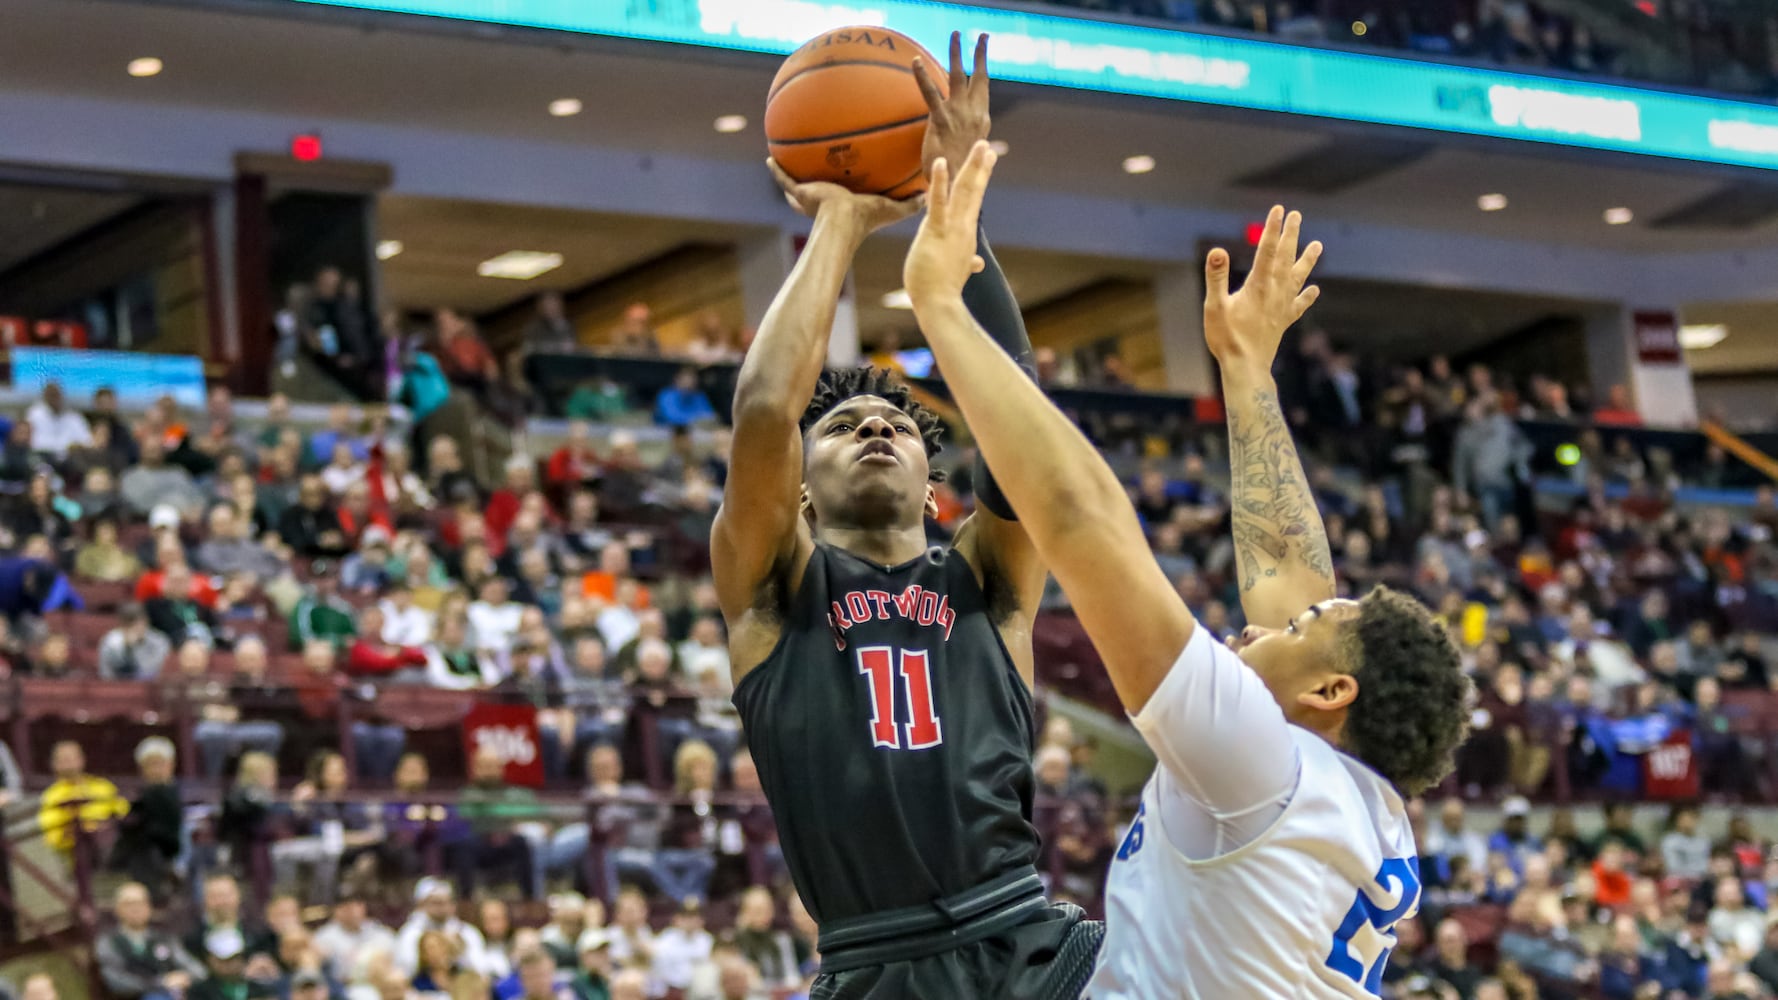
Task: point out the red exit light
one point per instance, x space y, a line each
1255 232
305 148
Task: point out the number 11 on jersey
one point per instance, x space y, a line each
881 664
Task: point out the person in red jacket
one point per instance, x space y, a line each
503 505
370 656
575 462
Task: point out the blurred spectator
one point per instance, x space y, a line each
56 428
176 613
769 950
492 807
632 939
132 650
228 549
75 796
1451 838
150 837
102 558
1685 852
550 330
321 615
683 404
635 334
330 831
246 821
567 922
574 463
1617 411
598 399
311 527
350 936
1489 459
592 981
222 914
711 343
138 962
152 482
1450 962
435 910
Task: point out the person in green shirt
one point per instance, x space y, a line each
321 614
227 965
593 980
493 809
600 399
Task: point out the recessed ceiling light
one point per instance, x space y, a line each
388 248
565 107
1359 28
1138 164
999 147
145 66
898 299
520 265
1619 216
727 124
1699 336
1491 202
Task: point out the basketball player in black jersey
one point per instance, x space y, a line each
885 686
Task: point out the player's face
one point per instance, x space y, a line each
1301 658
865 466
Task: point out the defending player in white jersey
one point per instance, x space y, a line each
1272 856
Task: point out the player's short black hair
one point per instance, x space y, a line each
1413 704
838 385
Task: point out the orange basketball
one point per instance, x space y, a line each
846 108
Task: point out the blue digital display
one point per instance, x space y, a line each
1177 65
137 377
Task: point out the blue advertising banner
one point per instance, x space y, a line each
1116 57
140 378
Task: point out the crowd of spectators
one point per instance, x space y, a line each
1640 908
264 574
1719 45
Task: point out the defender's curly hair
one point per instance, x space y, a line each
842 384
1413 705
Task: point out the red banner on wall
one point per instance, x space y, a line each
1657 338
1670 770
511 731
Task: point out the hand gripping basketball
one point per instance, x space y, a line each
872 211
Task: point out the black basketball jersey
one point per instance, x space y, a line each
893 736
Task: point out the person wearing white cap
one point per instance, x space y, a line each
593 981
1514 838
435 909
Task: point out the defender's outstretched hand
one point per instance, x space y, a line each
943 255
1243 329
958 120
873 211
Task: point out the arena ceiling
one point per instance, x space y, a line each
477 78
499 82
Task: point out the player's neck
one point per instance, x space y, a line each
883 546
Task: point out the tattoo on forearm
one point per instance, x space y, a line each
1276 522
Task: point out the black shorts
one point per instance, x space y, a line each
1049 957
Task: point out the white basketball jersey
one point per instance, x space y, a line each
1306 910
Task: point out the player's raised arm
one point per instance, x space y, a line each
958 118
1067 498
1281 551
759 526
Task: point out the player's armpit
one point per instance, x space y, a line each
1219 732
